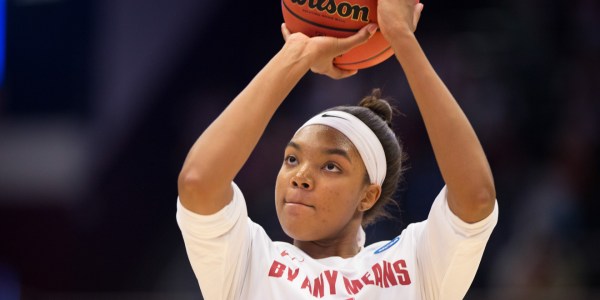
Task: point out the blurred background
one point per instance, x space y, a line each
101 100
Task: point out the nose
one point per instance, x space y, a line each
301 180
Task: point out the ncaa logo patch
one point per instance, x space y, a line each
388 245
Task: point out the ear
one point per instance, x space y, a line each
371 196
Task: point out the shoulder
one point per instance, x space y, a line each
406 240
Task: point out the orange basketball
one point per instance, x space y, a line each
339 18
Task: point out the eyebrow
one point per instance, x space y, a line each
330 151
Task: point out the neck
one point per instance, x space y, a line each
343 245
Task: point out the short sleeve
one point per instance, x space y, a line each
211 226
449 250
216 246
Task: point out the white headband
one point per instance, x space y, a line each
364 139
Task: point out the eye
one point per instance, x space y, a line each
291 160
331 167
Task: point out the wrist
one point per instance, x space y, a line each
401 40
294 54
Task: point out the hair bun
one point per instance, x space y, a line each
379 106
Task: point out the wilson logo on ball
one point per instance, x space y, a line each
342 9
339 18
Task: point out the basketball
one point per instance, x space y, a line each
339 18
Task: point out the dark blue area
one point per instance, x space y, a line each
2 39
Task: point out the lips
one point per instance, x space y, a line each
296 202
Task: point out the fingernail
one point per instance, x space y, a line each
372 28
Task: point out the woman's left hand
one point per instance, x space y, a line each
398 16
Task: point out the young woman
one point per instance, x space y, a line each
339 171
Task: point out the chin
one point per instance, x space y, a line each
297 231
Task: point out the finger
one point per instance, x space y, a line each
337 73
363 35
347 73
417 14
285 31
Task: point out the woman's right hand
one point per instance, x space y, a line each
321 50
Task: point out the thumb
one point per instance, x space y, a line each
363 35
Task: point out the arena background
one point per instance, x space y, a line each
101 100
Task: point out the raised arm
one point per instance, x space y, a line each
220 152
462 162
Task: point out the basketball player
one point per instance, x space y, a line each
339 170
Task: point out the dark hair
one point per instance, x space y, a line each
377 113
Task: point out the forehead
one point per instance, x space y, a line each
321 136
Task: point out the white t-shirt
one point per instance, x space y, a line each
233 258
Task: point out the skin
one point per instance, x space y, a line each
204 182
321 192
